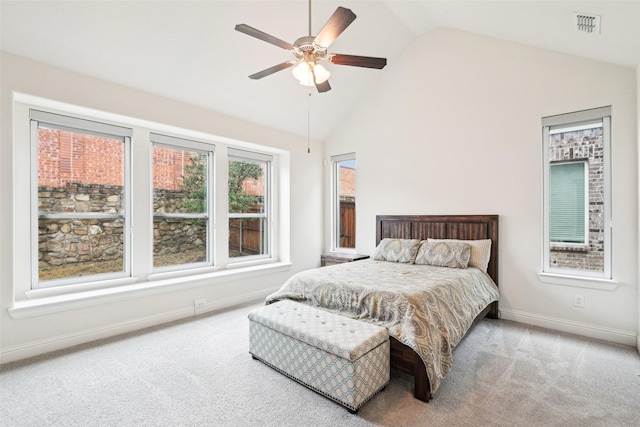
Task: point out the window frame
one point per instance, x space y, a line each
208 150
579 120
335 201
28 302
89 127
266 215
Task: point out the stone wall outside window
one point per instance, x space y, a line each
63 242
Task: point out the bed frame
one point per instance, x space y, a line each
467 227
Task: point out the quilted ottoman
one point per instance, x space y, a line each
343 359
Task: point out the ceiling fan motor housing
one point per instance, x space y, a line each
305 48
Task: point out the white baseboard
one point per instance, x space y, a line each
572 327
50 344
60 342
220 304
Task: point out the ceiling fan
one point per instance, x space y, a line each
309 50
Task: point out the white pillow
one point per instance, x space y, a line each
480 251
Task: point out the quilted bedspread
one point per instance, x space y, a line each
426 308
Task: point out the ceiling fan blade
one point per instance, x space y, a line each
338 22
243 28
357 61
271 70
323 87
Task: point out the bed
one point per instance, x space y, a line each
427 307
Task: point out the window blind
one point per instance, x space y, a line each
567 202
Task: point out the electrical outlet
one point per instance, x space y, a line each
199 302
578 301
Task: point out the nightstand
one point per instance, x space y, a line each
338 258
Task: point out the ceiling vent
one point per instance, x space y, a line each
589 24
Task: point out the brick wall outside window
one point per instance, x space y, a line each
73 157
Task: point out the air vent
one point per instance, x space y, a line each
589 24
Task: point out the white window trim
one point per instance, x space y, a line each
592 280
335 202
29 303
578 281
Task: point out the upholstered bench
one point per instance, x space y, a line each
343 359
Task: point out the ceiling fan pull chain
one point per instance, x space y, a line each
309 123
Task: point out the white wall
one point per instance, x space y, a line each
25 337
454 127
638 173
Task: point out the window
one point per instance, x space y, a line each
344 201
249 205
577 194
113 204
81 224
181 203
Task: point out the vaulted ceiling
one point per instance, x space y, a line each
189 50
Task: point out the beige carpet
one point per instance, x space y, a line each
199 373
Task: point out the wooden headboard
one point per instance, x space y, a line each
467 227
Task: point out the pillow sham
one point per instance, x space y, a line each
444 254
396 250
480 251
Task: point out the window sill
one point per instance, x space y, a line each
72 301
567 247
343 250
578 281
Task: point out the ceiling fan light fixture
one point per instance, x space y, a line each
304 71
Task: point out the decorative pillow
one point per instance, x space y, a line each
396 250
480 251
444 254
